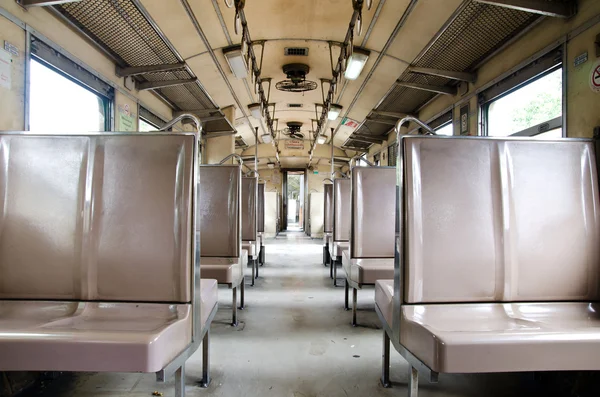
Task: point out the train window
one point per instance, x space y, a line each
362 161
145 126
64 96
57 104
392 153
443 124
527 103
537 103
446 129
149 121
377 159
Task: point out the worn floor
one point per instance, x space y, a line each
294 340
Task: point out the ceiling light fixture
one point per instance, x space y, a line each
267 138
254 109
321 139
356 63
334 111
236 61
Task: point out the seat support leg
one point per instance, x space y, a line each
253 272
262 255
205 382
346 290
234 321
257 263
331 263
413 382
325 250
354 298
335 273
242 292
385 361
180 381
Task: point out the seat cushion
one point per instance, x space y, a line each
367 271
337 247
92 336
224 270
496 337
208 298
251 248
384 292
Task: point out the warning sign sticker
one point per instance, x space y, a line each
595 77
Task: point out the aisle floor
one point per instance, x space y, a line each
294 340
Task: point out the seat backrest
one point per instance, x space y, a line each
341 209
500 220
219 216
373 212
97 217
249 191
328 209
260 226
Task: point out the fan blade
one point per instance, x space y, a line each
229 3
369 4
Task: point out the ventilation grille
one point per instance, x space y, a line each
475 32
124 29
298 51
295 105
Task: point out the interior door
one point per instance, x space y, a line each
284 201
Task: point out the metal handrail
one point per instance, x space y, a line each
430 131
341 173
177 119
233 155
328 179
252 172
358 157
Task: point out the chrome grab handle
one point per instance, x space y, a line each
177 119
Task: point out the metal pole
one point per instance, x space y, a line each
256 149
332 135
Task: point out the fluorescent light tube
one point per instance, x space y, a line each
334 111
236 60
356 63
321 139
255 110
267 138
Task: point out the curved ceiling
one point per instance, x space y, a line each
310 24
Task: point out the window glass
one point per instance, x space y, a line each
447 130
145 126
58 104
526 107
392 153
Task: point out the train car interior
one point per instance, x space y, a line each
300 198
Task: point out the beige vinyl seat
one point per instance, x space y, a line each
371 254
501 272
95 275
341 225
250 241
327 222
222 257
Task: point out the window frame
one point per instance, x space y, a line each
43 51
539 68
149 117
